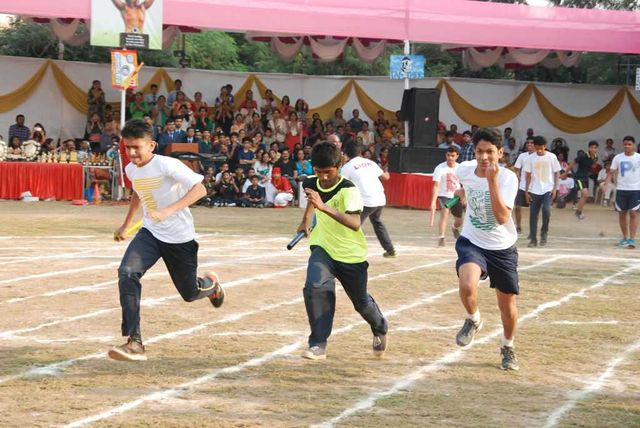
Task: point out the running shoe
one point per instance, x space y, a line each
579 215
315 353
623 242
509 360
631 243
130 351
441 242
468 331
379 345
390 254
217 298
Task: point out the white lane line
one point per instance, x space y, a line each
25 237
31 339
284 333
427 327
406 382
150 302
593 386
55 256
255 362
60 272
610 322
54 368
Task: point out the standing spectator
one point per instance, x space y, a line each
285 107
448 142
170 136
267 106
161 112
93 129
254 126
198 103
279 127
511 150
180 104
467 151
224 117
138 108
355 122
316 133
177 87
368 137
368 178
191 136
542 171
109 134
294 131
96 100
152 97
584 162
522 146
223 97
246 158
302 109
249 106
202 120
19 130
626 167
609 150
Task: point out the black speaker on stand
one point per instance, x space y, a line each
420 107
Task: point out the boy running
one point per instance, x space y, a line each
521 199
445 183
627 166
164 187
542 172
486 247
338 250
584 161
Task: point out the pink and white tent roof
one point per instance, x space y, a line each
434 21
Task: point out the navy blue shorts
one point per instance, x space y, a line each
501 266
582 183
627 200
457 210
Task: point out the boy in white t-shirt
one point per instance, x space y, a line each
521 199
486 247
445 184
368 178
627 167
542 172
164 187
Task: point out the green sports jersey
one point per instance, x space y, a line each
340 242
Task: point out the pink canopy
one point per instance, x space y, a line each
430 21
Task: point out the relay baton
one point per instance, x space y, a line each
452 202
298 236
133 229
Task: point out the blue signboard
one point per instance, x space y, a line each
406 67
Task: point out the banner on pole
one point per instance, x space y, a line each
134 24
406 67
123 64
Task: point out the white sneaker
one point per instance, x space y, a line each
315 353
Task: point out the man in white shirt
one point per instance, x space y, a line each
542 172
368 177
164 187
445 184
521 200
486 247
626 166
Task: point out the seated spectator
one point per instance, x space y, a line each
93 130
223 97
285 107
161 112
15 146
249 106
177 87
383 160
223 168
238 124
567 191
268 137
294 131
303 166
608 194
258 142
198 103
336 120
267 107
368 137
239 178
279 127
316 132
448 142
108 135
19 130
84 154
209 185
246 157
254 126
38 129
254 195
226 191
263 168
380 120
562 160
274 156
202 121
302 109
251 172
278 192
224 117
286 164
191 136
180 101
367 154
152 97
48 146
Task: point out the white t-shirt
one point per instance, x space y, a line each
480 226
628 168
158 184
447 179
521 163
565 185
365 174
542 169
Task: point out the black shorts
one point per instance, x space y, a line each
582 183
457 210
501 266
627 200
521 199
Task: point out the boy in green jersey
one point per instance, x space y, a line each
338 250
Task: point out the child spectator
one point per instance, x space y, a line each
226 191
254 196
566 190
608 191
279 192
209 186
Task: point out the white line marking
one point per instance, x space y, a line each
427 327
30 339
593 386
55 256
611 322
407 381
60 272
284 333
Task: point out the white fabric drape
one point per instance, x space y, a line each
526 56
328 49
287 51
486 58
64 31
369 54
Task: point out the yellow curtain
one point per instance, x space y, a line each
242 91
578 124
370 107
634 104
70 91
13 99
487 118
168 81
262 88
156 79
327 110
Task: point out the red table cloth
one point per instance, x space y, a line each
409 190
44 180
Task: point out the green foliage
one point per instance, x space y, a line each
214 50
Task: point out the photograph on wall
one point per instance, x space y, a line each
134 24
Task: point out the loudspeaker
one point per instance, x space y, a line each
415 159
421 107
